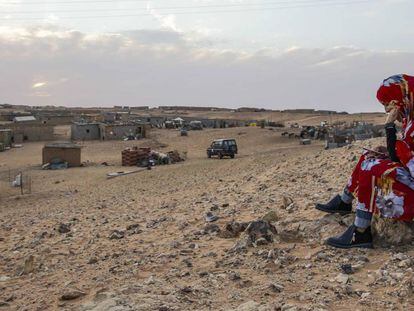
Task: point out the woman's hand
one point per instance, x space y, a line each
392 115
381 153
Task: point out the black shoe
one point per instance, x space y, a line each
335 205
352 238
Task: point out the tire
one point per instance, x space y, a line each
232 156
208 155
220 155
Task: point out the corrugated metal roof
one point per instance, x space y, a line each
24 119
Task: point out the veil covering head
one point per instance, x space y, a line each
398 90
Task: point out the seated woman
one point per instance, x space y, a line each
382 182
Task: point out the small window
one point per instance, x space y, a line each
87 131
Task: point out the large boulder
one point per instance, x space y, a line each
392 232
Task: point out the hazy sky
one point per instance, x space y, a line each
326 54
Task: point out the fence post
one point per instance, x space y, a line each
21 183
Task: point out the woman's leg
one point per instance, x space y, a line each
369 176
342 204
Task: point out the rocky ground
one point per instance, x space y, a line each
142 242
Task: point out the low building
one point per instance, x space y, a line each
24 119
122 131
62 152
85 131
32 132
6 137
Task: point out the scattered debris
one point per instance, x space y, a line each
123 173
210 217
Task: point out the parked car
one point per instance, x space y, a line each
222 148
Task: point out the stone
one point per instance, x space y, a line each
63 228
270 217
286 202
71 294
133 229
277 288
342 278
248 306
117 235
234 276
233 229
211 228
388 232
347 268
28 265
4 278
291 207
260 232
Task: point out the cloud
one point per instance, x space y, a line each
165 67
38 85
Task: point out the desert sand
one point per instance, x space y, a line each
81 241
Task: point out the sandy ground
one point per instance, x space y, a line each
140 242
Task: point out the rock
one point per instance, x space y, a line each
233 229
365 295
133 229
105 302
211 228
63 228
257 233
288 307
4 278
347 268
291 207
270 217
117 235
389 232
286 202
342 278
248 306
260 232
277 288
28 265
210 217
71 294
234 276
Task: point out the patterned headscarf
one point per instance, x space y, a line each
398 90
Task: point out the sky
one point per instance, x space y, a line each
275 54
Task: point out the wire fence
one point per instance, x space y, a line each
15 182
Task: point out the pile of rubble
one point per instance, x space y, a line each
146 157
135 156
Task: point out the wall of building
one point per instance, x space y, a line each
85 132
22 132
6 137
118 132
35 133
56 120
70 155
